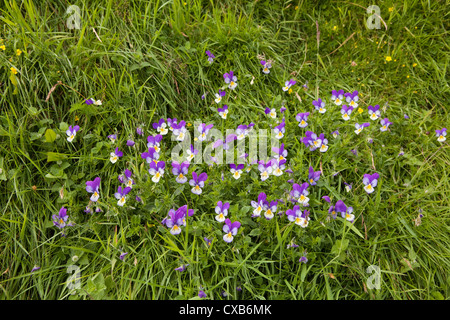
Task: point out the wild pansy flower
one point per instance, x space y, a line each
191 153
271 112
360 127
113 137
230 230
150 156
139 131
327 199
176 219
346 212
121 195
98 210
277 167
35 268
332 212
279 130
92 187
225 145
114 156
72 132
157 170
126 178
122 255
303 258
337 97
265 169
335 133
181 268
266 66
201 294
222 210
319 105
241 131
298 217
324 145
89 101
385 123
288 84
204 129
441 134
346 111
219 96
270 209
406 116
348 187
179 130
208 241
258 205
210 56
311 140
300 193
230 79
60 219
283 109
305 86
88 210
161 127
370 182
93 101
280 153
130 143
154 142
374 112
313 176
236 170
302 118
171 123
180 171
352 98
198 182
223 112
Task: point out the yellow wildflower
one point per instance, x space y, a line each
3 47
414 64
391 9
13 70
360 110
18 52
388 58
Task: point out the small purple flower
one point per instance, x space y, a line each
348 187
98 210
300 193
35 268
352 98
335 133
130 143
360 127
303 258
258 205
354 151
191 153
271 112
298 217
114 156
230 79
385 123
278 166
441 134
374 112
223 111
319 105
313 176
113 137
204 129
266 66
283 109
180 171
202 294
161 127
93 187
312 141
179 130
89 101
337 96
150 156
236 170
181 268
327 199
122 255
270 209
219 96
280 153
121 195
225 145
210 56
157 170
406 116
370 182
222 210
198 182
280 130
154 142
208 241
332 212
176 219
72 132
265 168
60 219
230 230
288 84
88 210
324 145
171 123
346 212
138 199
302 118
139 131
346 111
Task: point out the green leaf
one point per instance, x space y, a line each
53 156
63 126
255 232
50 135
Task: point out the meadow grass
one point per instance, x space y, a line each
146 60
